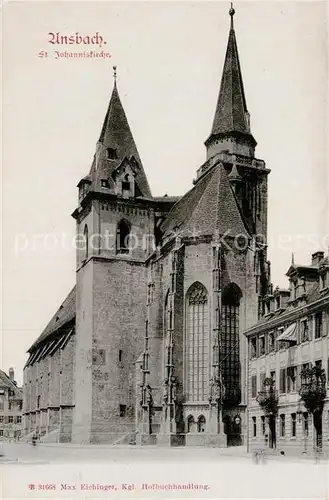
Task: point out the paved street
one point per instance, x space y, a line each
109 472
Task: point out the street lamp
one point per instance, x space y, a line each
301 418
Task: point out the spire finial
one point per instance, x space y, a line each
292 259
115 74
232 12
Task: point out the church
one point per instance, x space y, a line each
148 347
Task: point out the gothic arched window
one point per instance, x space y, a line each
190 423
201 424
167 329
123 232
230 360
197 343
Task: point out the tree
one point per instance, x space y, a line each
313 392
268 398
313 389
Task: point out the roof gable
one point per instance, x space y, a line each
65 313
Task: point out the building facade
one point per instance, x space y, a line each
11 407
288 359
148 346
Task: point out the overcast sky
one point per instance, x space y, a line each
170 57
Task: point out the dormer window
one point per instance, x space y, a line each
111 154
125 184
104 183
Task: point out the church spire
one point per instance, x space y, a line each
231 115
115 144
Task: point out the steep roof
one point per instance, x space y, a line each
231 115
209 207
64 314
5 381
116 135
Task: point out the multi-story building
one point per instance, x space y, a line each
291 337
11 403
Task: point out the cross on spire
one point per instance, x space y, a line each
232 12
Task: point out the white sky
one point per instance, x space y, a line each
170 57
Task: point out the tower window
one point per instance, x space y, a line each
125 183
104 183
111 154
123 233
120 355
122 410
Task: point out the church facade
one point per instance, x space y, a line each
148 347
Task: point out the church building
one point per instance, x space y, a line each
148 347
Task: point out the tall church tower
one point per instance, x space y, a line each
115 227
209 278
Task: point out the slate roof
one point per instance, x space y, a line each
5 381
209 207
116 134
64 314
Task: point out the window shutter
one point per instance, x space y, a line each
298 377
253 386
283 380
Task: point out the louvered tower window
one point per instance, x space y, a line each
197 343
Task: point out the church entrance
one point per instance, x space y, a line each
232 429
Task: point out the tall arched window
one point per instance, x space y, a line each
167 327
197 343
190 424
230 360
123 232
201 424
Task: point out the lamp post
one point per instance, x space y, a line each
305 428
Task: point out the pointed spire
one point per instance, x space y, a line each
231 115
116 138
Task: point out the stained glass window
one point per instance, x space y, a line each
197 343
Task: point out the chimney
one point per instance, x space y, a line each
11 373
317 257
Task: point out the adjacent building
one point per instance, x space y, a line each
11 406
290 339
148 346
